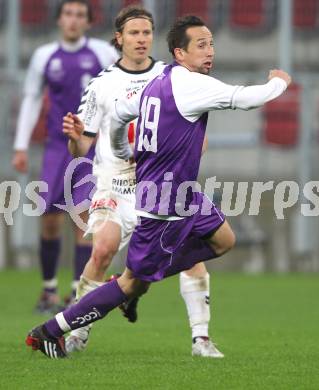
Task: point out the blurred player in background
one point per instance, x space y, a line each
112 213
65 68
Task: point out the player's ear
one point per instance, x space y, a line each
179 54
119 38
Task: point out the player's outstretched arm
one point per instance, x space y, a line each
203 93
254 96
73 127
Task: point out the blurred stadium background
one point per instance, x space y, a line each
279 142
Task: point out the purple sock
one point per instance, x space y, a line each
82 254
92 307
49 257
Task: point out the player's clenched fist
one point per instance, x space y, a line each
280 73
72 126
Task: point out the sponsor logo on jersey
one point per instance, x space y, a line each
86 62
91 108
56 65
143 81
134 92
124 186
55 69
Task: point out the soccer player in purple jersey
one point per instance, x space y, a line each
65 68
112 215
178 225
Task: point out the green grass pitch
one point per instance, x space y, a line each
267 326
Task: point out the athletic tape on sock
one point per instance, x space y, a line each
195 292
86 285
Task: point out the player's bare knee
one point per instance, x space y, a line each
197 271
51 226
102 255
50 229
50 232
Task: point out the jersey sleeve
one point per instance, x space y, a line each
203 93
91 109
254 96
34 80
124 110
31 103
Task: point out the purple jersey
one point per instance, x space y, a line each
65 69
66 75
168 148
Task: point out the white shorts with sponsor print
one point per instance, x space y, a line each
114 200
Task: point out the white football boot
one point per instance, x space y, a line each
205 347
77 340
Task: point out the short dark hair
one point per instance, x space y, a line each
84 2
128 13
177 36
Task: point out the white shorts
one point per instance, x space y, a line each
114 200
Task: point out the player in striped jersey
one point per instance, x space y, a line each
64 67
112 215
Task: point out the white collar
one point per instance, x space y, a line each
74 46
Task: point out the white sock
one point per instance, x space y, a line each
74 285
50 284
195 292
84 286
